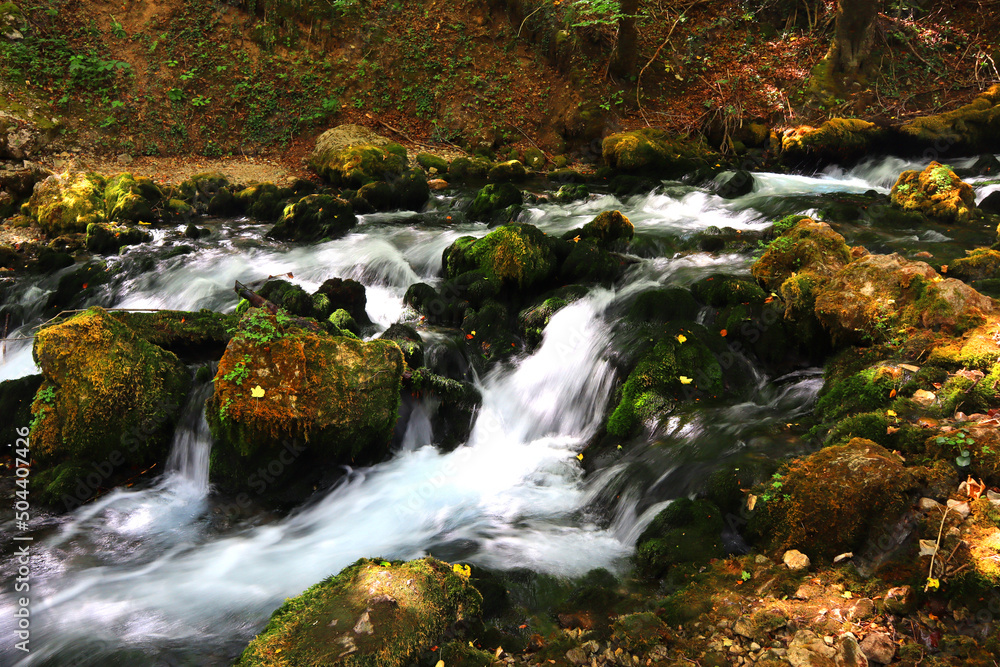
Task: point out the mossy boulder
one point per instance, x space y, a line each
534 159
836 140
466 169
291 297
263 202
608 229
108 239
16 397
373 614
433 164
337 397
865 390
878 297
510 171
315 217
652 152
356 165
343 293
659 306
209 192
978 264
687 531
589 263
191 335
177 210
411 190
679 366
107 391
518 255
809 246
496 203
834 500
131 199
68 203
972 128
409 341
936 192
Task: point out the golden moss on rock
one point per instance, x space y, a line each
68 203
336 396
373 614
519 255
973 127
936 192
652 152
836 139
976 265
809 246
106 389
831 501
608 227
356 165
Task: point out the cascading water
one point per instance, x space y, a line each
151 576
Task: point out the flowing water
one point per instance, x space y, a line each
150 576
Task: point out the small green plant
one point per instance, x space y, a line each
200 101
240 372
175 95
223 408
47 395
744 575
960 440
776 485
117 29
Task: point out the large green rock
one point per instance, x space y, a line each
970 129
496 203
835 140
356 165
315 217
337 397
107 239
608 228
373 614
519 255
263 202
652 152
68 203
131 199
936 192
107 393
686 531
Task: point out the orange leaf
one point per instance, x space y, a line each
469 336
723 333
892 393
891 429
84 286
944 268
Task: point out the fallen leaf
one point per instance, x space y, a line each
944 268
892 394
579 456
751 502
681 338
686 380
723 333
932 584
576 239
974 488
257 392
891 429
909 367
891 413
928 547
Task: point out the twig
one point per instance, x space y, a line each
532 142
528 17
937 547
638 79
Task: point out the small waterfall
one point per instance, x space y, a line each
192 445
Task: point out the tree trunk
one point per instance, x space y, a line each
854 33
624 58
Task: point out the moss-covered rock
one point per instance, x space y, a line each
107 239
972 128
315 217
409 341
106 391
496 203
373 614
263 202
976 265
433 164
837 139
534 159
687 531
198 335
510 171
518 255
177 210
936 192
131 199
344 323
466 169
336 396
834 500
354 166
862 391
411 190
809 246
662 305
608 229
340 293
291 297
16 397
679 366
652 152
68 203
878 297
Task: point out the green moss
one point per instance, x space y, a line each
68 203
662 305
836 139
720 290
687 531
389 612
865 390
128 199
507 172
608 228
808 246
640 632
354 166
464 169
652 152
263 202
517 255
496 202
107 239
433 163
315 217
981 263
936 192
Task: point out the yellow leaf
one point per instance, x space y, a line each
462 570
681 338
576 239
890 413
257 392
579 456
751 502
932 584
440 663
686 380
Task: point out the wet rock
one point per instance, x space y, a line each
734 185
879 647
192 231
347 294
333 400
437 184
131 199
358 164
936 192
991 203
900 600
68 203
652 152
409 341
511 171
189 335
210 192
465 170
313 218
849 653
107 239
607 229
373 612
795 560
109 396
263 202
976 265
836 140
496 203
807 649
518 255
433 164
685 531
808 247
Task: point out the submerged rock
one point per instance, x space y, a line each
108 394
936 192
315 217
334 396
372 613
107 239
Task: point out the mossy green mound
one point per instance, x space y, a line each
106 391
496 203
936 192
68 203
808 246
687 531
608 228
518 255
315 217
106 239
835 140
653 152
373 614
263 202
131 199
978 264
354 166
